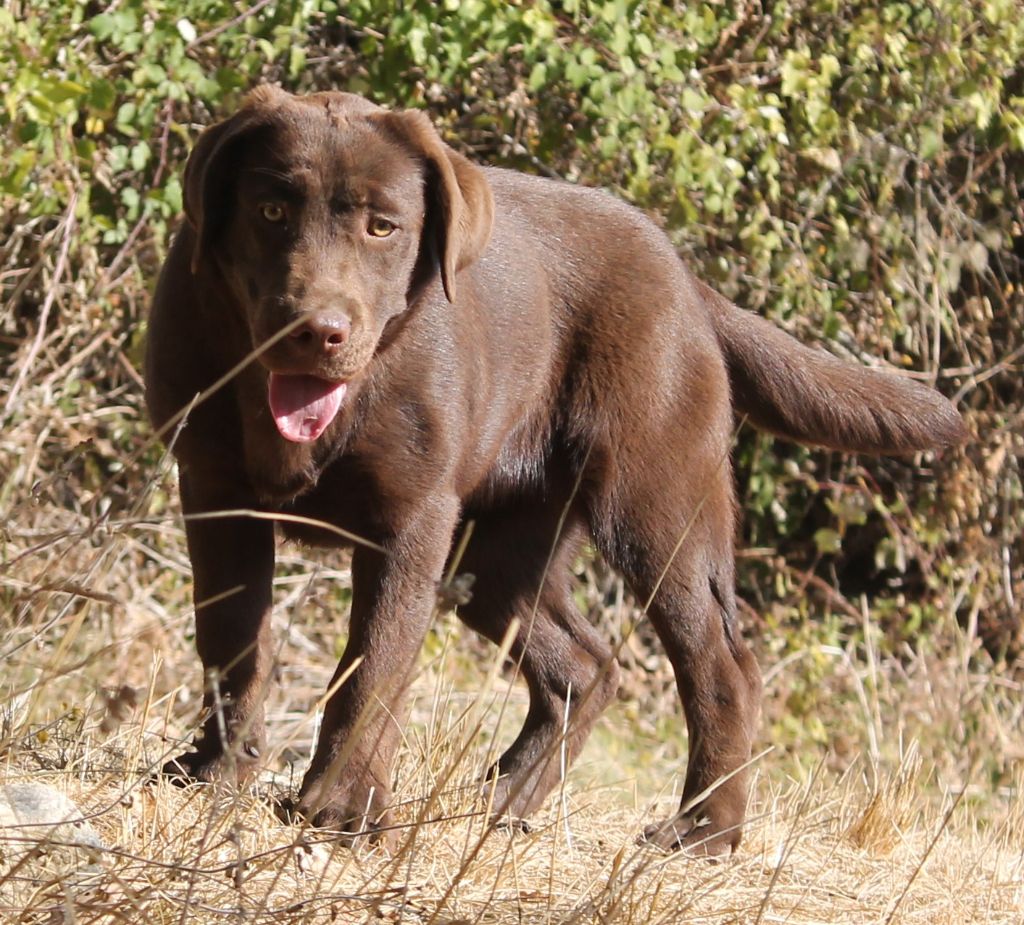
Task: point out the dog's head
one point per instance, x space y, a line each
328 215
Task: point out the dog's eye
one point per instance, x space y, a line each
272 211
380 227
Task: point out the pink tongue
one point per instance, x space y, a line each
303 406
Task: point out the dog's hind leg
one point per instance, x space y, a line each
522 559
676 553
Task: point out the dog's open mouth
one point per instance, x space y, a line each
304 406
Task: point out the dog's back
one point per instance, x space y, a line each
631 331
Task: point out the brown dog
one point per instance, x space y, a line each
456 344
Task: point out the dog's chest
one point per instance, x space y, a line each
361 478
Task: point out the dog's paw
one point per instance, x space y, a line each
694 837
512 825
205 766
340 816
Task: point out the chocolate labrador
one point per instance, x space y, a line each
433 343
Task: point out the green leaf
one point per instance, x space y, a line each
692 100
139 155
173 195
102 97
828 541
794 73
538 77
930 143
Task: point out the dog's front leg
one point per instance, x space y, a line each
233 568
348 785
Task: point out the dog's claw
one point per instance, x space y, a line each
512 825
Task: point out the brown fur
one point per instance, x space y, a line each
525 354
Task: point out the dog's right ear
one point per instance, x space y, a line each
206 173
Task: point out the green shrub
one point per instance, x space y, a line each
852 170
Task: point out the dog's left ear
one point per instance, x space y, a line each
460 207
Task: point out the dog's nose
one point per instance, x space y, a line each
322 333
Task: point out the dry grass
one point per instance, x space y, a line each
96 692
206 856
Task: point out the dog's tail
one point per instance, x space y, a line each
811 397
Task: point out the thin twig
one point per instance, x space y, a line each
230 24
51 295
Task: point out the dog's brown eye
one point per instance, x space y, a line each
272 212
380 227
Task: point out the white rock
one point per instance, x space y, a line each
36 814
